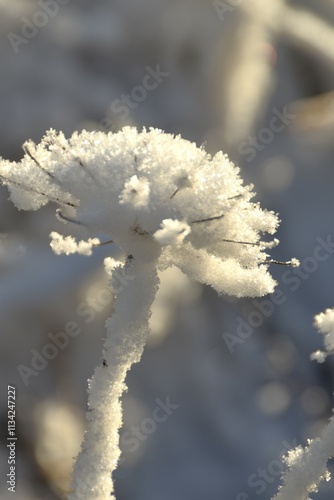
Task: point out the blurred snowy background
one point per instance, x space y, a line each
254 78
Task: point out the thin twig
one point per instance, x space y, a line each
280 262
102 243
176 191
211 218
63 217
86 170
33 190
256 243
29 153
208 219
81 163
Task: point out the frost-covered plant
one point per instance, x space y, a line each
164 202
307 467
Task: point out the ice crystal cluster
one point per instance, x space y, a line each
164 202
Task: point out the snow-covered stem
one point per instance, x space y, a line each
127 332
307 467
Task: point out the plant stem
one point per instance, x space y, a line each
128 331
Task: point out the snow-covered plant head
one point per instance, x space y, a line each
164 202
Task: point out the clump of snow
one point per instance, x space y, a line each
68 245
109 264
325 324
136 192
319 356
172 232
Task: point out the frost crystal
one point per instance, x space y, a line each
164 202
